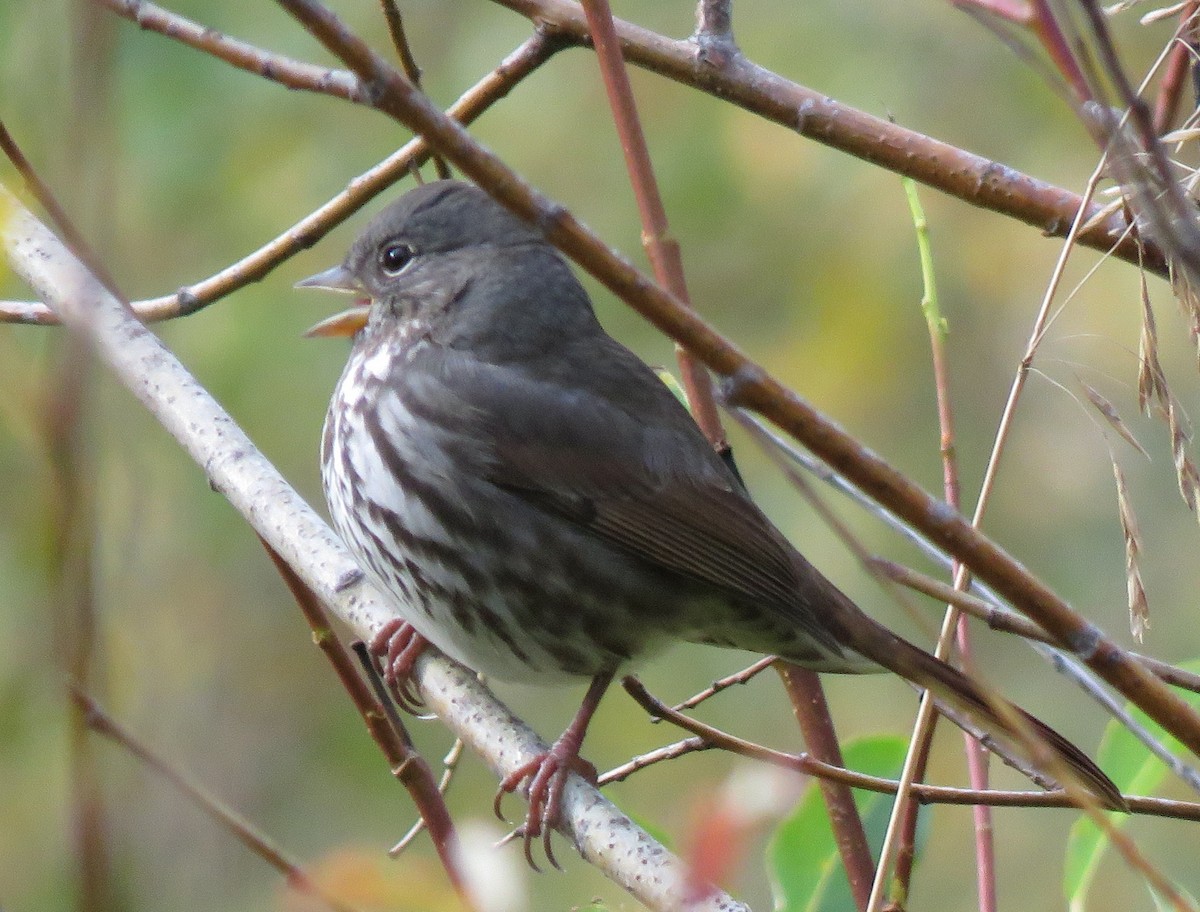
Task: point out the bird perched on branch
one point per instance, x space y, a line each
537 502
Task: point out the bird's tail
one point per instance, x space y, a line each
948 684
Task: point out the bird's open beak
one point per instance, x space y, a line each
339 278
349 321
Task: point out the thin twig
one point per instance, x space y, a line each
245 832
740 677
449 766
293 74
658 755
531 54
929 794
395 24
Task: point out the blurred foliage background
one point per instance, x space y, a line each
176 165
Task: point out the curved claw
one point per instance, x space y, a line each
501 791
547 774
399 644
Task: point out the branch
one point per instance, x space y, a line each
297 878
293 74
811 710
662 248
971 178
531 54
234 467
706 737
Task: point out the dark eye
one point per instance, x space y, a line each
394 257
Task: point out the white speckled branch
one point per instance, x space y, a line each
604 836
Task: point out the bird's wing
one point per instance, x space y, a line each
618 455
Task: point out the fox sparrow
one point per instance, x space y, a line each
539 504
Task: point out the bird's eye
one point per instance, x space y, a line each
394 257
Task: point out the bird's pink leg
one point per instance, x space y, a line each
548 771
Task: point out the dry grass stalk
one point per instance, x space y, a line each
1110 414
1139 606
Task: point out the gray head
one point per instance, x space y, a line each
470 272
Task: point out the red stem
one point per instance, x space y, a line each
1175 75
661 248
812 714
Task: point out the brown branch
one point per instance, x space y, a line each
295 875
293 74
659 755
812 714
971 178
531 54
740 677
923 792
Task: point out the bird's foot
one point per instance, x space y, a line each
547 774
398 644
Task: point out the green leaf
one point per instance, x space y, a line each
672 384
1135 771
802 858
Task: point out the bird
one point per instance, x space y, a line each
538 503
